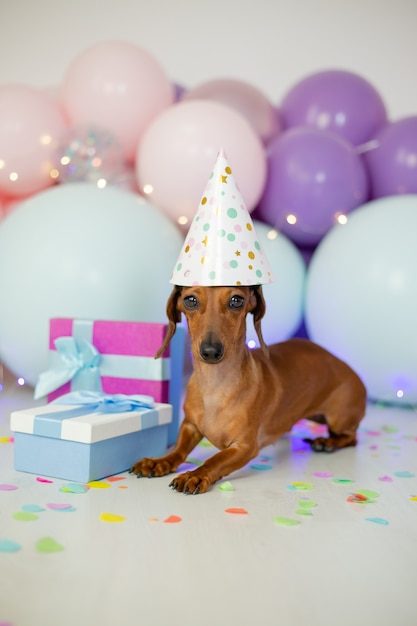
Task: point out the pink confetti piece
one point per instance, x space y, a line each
385 479
323 474
5 487
44 480
58 506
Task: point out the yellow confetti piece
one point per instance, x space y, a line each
413 498
5 439
111 517
95 484
154 519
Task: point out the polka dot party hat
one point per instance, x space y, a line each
221 247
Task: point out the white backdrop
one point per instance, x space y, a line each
268 43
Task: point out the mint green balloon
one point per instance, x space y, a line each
79 251
361 296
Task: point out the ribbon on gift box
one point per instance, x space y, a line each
76 359
86 402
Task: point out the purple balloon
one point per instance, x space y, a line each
335 100
392 164
315 178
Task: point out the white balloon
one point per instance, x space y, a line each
285 296
361 296
79 251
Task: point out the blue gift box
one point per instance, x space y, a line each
88 439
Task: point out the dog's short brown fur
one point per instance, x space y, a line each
243 400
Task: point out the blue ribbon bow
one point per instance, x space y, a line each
85 402
95 401
76 359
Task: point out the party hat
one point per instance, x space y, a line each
221 247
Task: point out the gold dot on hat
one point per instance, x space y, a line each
204 200
228 170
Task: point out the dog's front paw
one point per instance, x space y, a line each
151 468
191 482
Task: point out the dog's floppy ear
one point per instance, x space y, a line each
258 312
174 316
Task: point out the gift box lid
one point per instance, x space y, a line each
88 423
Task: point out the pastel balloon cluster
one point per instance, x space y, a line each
105 172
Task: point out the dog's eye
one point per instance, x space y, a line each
236 302
190 303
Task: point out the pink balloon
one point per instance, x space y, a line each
119 87
242 97
178 151
31 123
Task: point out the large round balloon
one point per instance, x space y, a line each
78 251
336 100
393 162
285 295
117 86
244 98
315 178
31 123
361 296
179 149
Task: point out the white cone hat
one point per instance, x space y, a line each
221 247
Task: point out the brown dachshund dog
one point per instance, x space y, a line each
242 399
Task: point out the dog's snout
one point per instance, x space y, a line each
211 349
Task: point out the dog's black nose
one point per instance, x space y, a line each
211 350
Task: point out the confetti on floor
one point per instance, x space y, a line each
96 484
5 487
173 519
59 506
305 512
300 486
48 544
286 521
323 474
7 545
44 480
226 486
114 479
236 511
377 520
32 508
385 479
260 466
404 474
25 516
343 481
111 517
307 504
74 488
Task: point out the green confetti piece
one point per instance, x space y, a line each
25 516
205 443
342 481
304 512
286 521
7 545
48 544
307 504
226 486
378 520
390 429
194 461
371 495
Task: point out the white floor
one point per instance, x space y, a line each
215 567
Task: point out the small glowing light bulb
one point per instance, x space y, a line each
400 393
21 381
251 344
